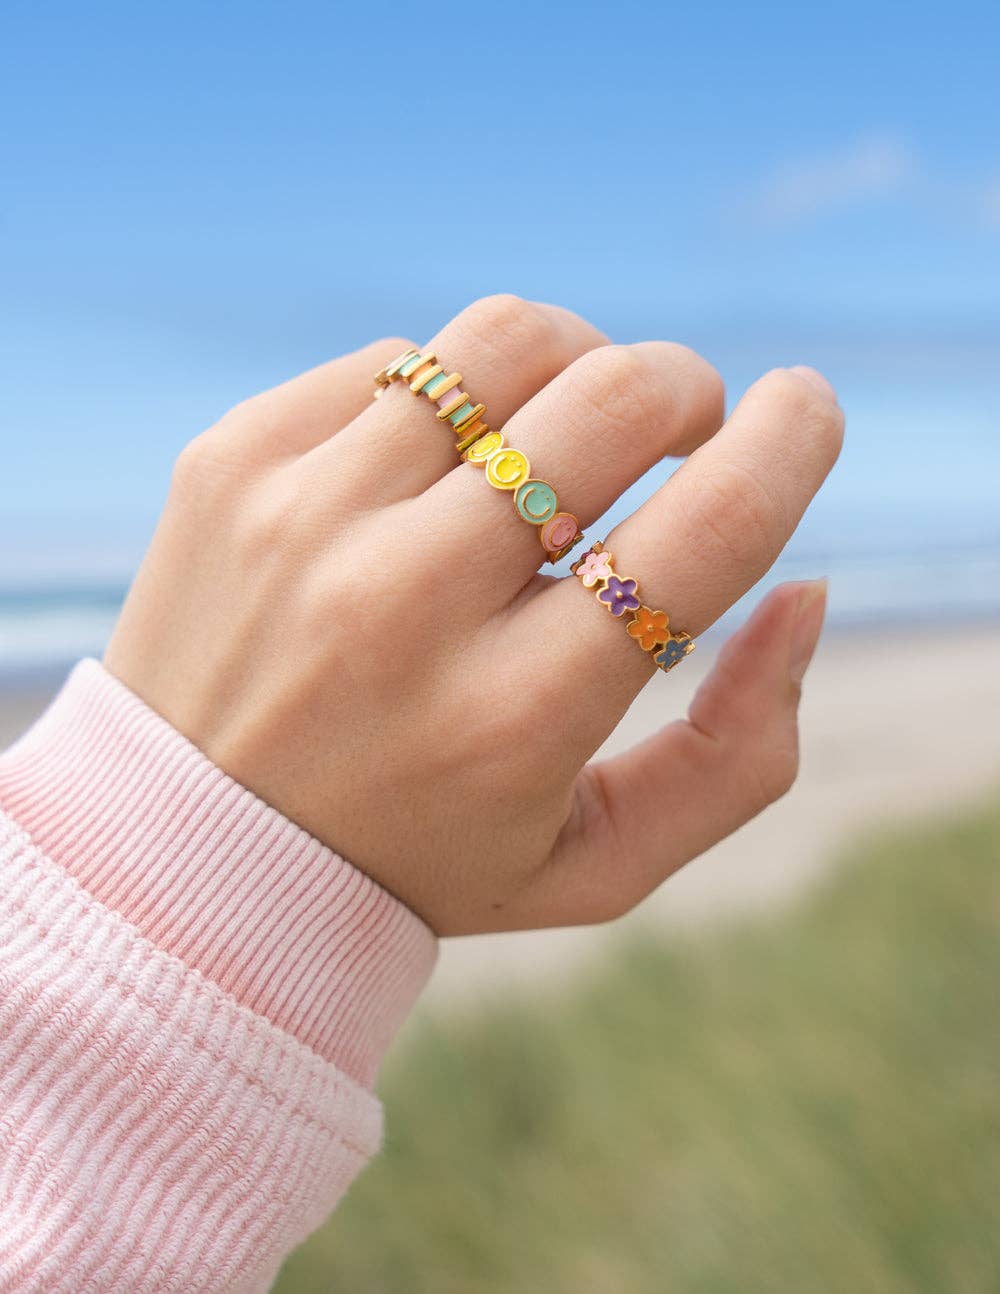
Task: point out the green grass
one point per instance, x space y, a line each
810 1104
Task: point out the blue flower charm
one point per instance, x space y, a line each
673 653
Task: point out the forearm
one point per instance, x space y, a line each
194 998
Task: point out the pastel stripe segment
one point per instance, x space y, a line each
459 414
411 366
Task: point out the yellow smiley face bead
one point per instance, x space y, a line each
480 450
507 469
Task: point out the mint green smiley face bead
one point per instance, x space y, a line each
536 501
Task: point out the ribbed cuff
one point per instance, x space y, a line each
214 876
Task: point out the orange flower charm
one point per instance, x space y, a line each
649 628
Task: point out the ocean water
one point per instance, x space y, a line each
907 528
44 629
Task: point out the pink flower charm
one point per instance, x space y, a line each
594 567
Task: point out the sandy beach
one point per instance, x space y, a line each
896 724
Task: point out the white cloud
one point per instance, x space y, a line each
874 167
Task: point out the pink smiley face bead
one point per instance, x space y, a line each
559 534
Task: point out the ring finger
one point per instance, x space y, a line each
695 547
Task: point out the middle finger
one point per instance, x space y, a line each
590 433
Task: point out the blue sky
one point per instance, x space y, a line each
197 201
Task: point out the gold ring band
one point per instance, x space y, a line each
506 468
619 594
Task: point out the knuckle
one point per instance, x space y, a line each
260 419
624 387
508 322
188 465
201 465
392 346
217 463
244 411
248 414
705 379
686 360
776 768
736 508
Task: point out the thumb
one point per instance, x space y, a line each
641 815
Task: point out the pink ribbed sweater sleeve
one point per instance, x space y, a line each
194 998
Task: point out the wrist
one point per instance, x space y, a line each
214 876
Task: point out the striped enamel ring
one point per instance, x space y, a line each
425 376
620 595
506 468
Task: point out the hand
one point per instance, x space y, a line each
348 619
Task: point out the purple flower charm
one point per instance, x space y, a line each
619 596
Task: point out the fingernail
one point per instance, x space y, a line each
815 379
808 624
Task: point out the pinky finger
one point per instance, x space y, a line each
640 816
